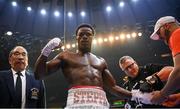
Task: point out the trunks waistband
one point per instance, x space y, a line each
93 87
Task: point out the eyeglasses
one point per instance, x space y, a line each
129 66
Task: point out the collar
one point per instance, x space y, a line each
14 72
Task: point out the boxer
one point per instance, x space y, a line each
84 69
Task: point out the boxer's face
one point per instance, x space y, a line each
130 67
18 59
84 37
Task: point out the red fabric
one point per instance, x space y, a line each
174 42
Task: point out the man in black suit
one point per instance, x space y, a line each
19 89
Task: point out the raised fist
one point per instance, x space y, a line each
53 43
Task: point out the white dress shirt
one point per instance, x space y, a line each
23 79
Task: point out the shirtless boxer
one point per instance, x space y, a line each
86 73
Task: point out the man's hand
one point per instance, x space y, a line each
173 100
138 96
158 98
54 43
152 83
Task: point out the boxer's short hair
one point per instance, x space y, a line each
85 25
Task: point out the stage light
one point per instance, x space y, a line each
70 14
56 13
116 38
56 49
14 3
108 9
105 39
29 8
83 14
9 33
68 46
139 34
43 11
111 39
100 40
134 34
73 45
121 4
63 47
134 0
128 36
122 36
94 41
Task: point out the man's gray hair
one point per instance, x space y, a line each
12 51
124 58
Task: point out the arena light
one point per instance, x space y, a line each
14 3
63 47
121 4
100 40
68 46
128 36
139 34
116 38
83 14
122 36
9 33
29 8
94 41
58 49
134 0
73 45
70 14
111 38
134 34
43 11
105 39
56 13
108 9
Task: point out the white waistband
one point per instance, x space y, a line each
87 97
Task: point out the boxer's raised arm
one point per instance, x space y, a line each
42 67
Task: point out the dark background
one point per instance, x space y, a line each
32 30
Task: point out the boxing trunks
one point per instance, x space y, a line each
86 97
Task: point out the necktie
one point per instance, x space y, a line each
18 90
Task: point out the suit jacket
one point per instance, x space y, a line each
34 91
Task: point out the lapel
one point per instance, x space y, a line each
28 86
10 83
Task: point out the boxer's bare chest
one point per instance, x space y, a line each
86 67
86 60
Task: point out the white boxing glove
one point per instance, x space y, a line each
53 43
138 96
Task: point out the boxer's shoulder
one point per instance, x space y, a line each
65 53
95 56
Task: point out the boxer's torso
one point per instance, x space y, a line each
83 69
